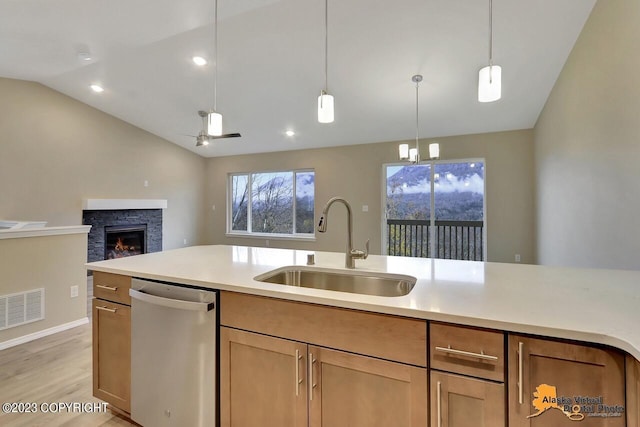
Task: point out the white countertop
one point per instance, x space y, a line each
598 306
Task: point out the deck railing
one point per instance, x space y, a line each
461 240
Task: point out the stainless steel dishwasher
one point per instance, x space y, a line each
173 355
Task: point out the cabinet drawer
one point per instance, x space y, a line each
112 287
467 351
387 337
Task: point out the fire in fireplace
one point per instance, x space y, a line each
124 241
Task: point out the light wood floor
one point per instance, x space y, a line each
52 369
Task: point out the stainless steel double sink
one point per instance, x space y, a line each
356 282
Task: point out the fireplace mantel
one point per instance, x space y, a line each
121 204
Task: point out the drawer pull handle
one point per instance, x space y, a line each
110 310
107 288
439 404
520 361
480 355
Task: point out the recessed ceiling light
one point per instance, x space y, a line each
97 88
290 132
84 56
199 61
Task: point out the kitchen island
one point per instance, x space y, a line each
599 306
513 301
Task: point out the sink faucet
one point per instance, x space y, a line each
351 254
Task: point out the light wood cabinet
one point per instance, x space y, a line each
467 351
570 370
471 391
112 353
358 391
112 340
459 401
262 380
633 392
291 380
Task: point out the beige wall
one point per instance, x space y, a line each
54 263
55 152
587 147
355 172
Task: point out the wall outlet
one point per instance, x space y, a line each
184 241
213 207
146 183
517 257
74 291
365 208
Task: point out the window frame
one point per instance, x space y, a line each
274 236
432 164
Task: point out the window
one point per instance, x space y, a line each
435 210
272 204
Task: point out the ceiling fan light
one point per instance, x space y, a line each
490 83
214 123
403 151
202 140
325 108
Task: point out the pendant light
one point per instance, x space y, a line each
490 77
214 119
325 101
413 154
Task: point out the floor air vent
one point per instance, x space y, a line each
24 307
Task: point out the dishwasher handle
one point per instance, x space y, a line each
170 302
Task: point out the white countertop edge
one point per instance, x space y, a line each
44 231
320 297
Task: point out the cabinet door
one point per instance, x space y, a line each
112 353
358 391
262 380
458 401
633 392
545 377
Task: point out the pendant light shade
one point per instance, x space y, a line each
214 123
490 77
490 83
434 151
403 151
414 156
325 108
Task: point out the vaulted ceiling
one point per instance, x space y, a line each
271 64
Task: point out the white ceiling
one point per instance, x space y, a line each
271 64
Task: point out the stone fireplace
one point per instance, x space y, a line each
121 228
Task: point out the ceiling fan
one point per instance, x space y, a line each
203 137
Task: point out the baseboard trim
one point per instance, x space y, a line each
43 333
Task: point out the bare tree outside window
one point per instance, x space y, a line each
272 202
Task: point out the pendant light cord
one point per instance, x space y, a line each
326 45
417 104
326 53
490 40
215 56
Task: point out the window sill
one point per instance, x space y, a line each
268 236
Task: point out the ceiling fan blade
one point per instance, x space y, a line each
228 135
